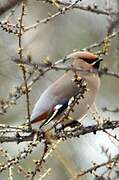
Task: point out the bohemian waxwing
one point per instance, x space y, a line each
54 100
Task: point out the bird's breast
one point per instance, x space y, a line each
93 85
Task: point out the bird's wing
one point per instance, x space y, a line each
46 117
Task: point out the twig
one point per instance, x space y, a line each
113 136
47 172
10 169
95 167
38 163
94 9
92 46
116 110
103 71
22 155
20 52
78 131
46 20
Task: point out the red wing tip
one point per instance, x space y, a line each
40 118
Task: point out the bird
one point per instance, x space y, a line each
55 99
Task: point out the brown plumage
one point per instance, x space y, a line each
62 90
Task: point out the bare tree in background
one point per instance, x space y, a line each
16 25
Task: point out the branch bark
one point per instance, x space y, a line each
77 132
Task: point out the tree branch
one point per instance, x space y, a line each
94 9
62 133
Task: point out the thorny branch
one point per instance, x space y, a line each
46 20
116 110
38 163
20 52
22 155
107 164
103 71
94 9
61 133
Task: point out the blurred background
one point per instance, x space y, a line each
75 30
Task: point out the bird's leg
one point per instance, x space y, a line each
97 117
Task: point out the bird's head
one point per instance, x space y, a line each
85 59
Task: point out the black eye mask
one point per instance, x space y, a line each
95 64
